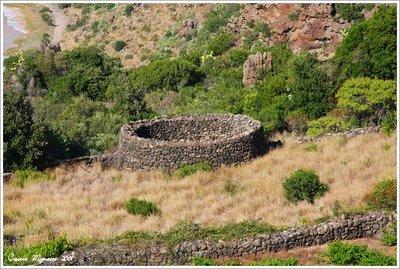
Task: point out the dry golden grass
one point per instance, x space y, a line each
89 202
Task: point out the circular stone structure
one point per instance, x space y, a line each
168 143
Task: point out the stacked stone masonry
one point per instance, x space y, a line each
168 143
360 226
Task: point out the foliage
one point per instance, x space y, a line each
383 196
276 262
119 45
349 254
367 99
203 261
46 17
219 16
389 235
310 89
389 123
24 176
220 44
303 185
312 147
141 207
230 187
294 16
128 10
369 48
190 169
327 124
52 248
236 57
350 12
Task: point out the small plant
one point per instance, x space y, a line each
190 169
388 123
128 10
294 16
203 261
389 235
28 255
25 176
349 254
311 147
277 262
46 17
386 147
141 207
117 178
383 196
230 187
119 45
303 185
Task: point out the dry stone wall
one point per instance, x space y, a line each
168 143
360 226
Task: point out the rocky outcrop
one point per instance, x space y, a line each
360 226
312 27
254 64
188 28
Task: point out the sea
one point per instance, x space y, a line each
12 26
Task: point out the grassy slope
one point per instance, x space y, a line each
90 202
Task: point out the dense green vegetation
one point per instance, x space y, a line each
383 196
303 185
28 255
349 254
72 103
190 169
389 235
141 207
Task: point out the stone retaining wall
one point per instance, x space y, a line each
367 225
168 143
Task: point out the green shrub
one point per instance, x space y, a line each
46 17
203 261
236 57
389 235
294 16
141 207
311 147
368 99
128 10
327 124
383 196
44 10
369 48
119 45
220 16
276 262
263 28
230 187
190 169
220 44
303 185
351 12
30 254
389 123
348 254
25 176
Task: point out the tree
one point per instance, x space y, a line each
369 48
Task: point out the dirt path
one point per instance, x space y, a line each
60 22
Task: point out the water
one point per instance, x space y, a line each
12 26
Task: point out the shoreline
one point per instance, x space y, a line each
15 19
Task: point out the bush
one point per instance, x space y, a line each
119 45
190 169
351 12
220 44
369 48
312 147
368 99
141 207
296 121
327 124
276 262
128 10
30 254
303 185
348 254
389 235
389 123
220 16
383 196
46 17
22 177
203 261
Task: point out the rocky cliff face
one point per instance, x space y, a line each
254 64
312 27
